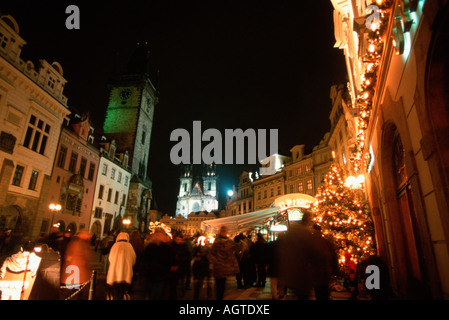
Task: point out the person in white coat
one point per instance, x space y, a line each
120 273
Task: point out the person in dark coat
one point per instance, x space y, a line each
158 260
259 252
181 265
224 261
277 291
201 268
326 264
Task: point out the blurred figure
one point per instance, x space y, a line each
298 256
326 265
350 272
277 291
242 258
201 268
158 259
181 265
135 239
76 265
105 247
259 252
122 259
224 261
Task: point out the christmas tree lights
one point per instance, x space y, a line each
343 217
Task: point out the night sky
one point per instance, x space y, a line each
230 64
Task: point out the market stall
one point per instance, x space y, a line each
239 223
286 208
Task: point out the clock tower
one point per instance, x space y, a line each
129 121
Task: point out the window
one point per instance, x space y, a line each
258 195
90 176
71 202
300 187
307 167
61 157
73 161
119 177
299 170
279 190
271 192
98 212
117 194
123 200
292 188
309 184
17 178
100 192
109 195
3 41
105 169
143 136
37 134
83 166
265 194
51 82
33 180
126 180
112 173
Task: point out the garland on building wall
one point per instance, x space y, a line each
371 61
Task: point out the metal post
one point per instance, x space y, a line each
92 285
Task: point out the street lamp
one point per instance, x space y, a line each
126 222
54 207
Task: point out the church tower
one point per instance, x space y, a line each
129 121
198 189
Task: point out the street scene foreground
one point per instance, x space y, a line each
158 267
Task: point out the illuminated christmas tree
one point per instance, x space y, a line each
344 217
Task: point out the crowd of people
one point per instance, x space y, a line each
165 266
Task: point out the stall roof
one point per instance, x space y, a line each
239 223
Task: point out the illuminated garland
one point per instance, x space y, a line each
343 217
371 61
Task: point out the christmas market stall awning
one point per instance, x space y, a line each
239 223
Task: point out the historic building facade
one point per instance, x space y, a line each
300 173
129 121
198 189
32 109
73 178
111 190
397 66
242 198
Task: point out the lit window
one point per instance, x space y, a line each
33 180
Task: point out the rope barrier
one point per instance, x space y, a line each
82 286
